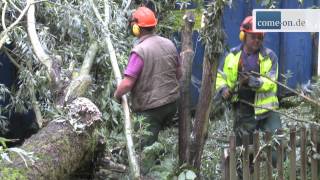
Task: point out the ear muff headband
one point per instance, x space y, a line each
242 36
135 30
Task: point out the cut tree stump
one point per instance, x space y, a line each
62 146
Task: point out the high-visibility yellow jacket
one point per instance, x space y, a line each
265 96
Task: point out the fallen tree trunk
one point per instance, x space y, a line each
59 148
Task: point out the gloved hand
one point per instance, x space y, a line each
226 94
223 93
254 82
243 79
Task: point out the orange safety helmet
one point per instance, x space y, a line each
246 27
144 17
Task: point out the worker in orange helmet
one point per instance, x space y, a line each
151 75
242 80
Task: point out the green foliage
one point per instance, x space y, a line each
170 20
315 95
3 142
140 127
165 16
150 154
11 174
286 76
165 165
177 18
270 4
4 93
213 34
66 29
8 173
187 175
164 170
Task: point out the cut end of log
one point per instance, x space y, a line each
83 113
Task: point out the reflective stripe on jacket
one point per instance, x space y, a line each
265 96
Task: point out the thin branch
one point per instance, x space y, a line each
11 58
89 58
3 16
90 30
259 152
288 88
96 12
36 45
106 11
128 126
79 85
4 34
36 109
288 116
133 163
16 7
53 67
107 163
34 102
127 6
11 52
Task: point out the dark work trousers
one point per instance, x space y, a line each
157 119
246 124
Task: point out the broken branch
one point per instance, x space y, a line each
133 163
288 88
290 117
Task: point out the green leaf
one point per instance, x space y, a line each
182 176
187 175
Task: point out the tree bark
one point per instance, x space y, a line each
61 146
213 38
186 55
203 110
